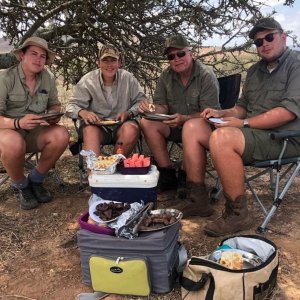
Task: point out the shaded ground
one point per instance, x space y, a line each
39 257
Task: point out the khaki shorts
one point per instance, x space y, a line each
260 146
30 137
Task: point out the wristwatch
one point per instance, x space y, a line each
246 124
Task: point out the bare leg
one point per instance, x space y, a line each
156 134
128 134
195 137
93 138
226 147
12 153
52 142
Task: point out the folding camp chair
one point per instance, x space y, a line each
283 172
78 146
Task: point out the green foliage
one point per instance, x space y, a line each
76 28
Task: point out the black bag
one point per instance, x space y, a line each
203 278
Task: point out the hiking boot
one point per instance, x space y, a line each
42 194
197 202
26 198
234 218
167 180
181 184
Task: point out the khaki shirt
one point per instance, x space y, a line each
202 90
264 91
89 94
15 100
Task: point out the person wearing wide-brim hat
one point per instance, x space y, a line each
28 90
38 42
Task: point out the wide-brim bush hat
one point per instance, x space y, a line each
39 42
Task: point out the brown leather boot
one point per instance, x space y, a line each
235 218
197 202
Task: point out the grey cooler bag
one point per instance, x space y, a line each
160 249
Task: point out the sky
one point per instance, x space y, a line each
287 16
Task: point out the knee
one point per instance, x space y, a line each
13 145
222 138
61 136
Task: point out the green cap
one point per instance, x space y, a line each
263 24
176 41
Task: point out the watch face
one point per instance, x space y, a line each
246 124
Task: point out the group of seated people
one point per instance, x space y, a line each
187 89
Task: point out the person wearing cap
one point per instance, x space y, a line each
270 101
108 92
26 91
184 89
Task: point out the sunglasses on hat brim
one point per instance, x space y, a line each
269 38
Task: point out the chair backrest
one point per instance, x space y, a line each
229 90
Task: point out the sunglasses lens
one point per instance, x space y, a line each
170 56
181 53
269 37
178 54
258 42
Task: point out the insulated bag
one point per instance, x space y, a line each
159 248
203 278
124 276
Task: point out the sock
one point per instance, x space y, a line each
36 176
21 184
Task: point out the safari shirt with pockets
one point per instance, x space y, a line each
264 90
15 100
202 90
89 94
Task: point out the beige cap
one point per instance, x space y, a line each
109 51
39 42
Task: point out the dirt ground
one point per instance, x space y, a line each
40 259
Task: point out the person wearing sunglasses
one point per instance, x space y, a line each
184 89
270 100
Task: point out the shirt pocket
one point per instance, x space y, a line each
17 101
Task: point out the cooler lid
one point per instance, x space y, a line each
125 181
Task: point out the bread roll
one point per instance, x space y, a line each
232 260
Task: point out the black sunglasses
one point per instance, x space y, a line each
180 53
269 38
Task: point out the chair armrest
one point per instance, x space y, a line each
285 134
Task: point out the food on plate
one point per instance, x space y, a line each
108 122
151 107
232 260
137 161
157 220
111 210
104 162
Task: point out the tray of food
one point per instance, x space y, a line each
159 219
108 122
106 211
235 259
135 165
104 165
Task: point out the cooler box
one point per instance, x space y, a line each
125 188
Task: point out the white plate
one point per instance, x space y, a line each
158 117
216 120
92 210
